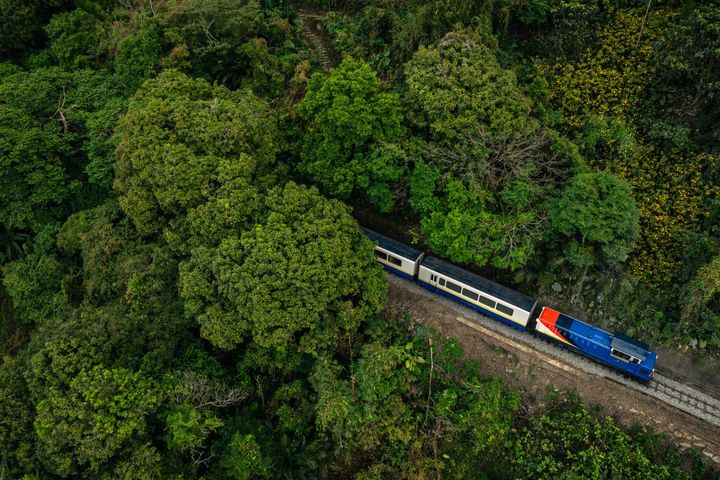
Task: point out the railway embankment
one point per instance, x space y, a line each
536 367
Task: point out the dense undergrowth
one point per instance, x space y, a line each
185 293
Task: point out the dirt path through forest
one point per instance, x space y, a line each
535 373
315 34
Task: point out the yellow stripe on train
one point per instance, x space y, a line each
473 302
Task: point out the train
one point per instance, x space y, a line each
620 352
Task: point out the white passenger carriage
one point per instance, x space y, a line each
491 298
395 256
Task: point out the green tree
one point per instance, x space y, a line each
243 459
32 169
387 34
143 462
472 228
34 284
110 335
599 207
362 413
350 124
238 43
139 55
181 141
458 84
481 170
77 40
297 280
682 104
188 428
85 427
116 263
16 419
196 402
55 124
599 221
700 313
482 417
21 24
568 441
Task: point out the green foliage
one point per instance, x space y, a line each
181 141
601 97
8 68
387 34
567 27
597 208
138 56
479 177
21 25
608 80
421 185
298 279
99 145
76 40
99 336
188 427
683 96
415 410
350 124
116 263
16 419
238 44
243 459
34 284
457 85
507 239
143 463
700 317
568 441
206 319
194 416
102 412
487 416
638 100
363 413
54 123
32 169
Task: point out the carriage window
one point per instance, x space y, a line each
635 360
620 355
453 287
505 310
380 255
441 282
469 294
486 301
395 261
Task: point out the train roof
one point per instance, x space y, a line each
618 341
481 283
632 347
632 341
391 245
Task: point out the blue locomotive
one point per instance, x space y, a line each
514 308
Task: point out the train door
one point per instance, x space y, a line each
433 280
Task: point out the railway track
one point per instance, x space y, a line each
686 398
678 395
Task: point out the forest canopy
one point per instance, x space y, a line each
185 290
